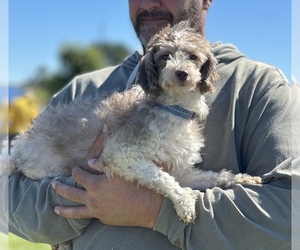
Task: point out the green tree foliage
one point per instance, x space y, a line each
77 59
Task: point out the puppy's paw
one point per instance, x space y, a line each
246 179
185 206
227 179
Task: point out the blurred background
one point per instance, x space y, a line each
50 42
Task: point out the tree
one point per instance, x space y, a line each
75 60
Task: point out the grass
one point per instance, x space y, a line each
16 243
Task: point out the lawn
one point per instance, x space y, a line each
16 243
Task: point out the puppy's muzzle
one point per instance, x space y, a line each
181 75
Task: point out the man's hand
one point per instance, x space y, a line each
113 201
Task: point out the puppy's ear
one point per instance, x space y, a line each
148 74
209 75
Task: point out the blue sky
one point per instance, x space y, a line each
261 29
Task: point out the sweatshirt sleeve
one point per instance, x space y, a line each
256 217
31 214
245 217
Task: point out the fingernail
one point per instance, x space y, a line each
56 211
91 162
104 128
53 185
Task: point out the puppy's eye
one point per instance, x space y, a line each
193 57
165 57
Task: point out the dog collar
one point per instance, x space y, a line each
177 110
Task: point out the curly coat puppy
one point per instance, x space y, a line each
156 122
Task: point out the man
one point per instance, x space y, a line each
248 130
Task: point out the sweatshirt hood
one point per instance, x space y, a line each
225 53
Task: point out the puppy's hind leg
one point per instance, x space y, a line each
148 174
201 180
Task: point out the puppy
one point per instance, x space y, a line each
157 122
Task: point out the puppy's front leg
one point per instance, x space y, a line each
148 174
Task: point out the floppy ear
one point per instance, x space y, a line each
209 75
148 74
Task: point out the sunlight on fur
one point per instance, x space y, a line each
153 122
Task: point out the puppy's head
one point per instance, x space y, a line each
178 60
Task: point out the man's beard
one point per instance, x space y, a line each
145 31
192 13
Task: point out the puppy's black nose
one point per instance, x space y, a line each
182 75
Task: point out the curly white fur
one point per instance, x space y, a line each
177 69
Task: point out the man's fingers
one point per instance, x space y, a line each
84 178
97 147
71 193
80 212
96 165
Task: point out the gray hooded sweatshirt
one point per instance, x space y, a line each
248 130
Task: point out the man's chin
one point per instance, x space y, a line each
148 29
